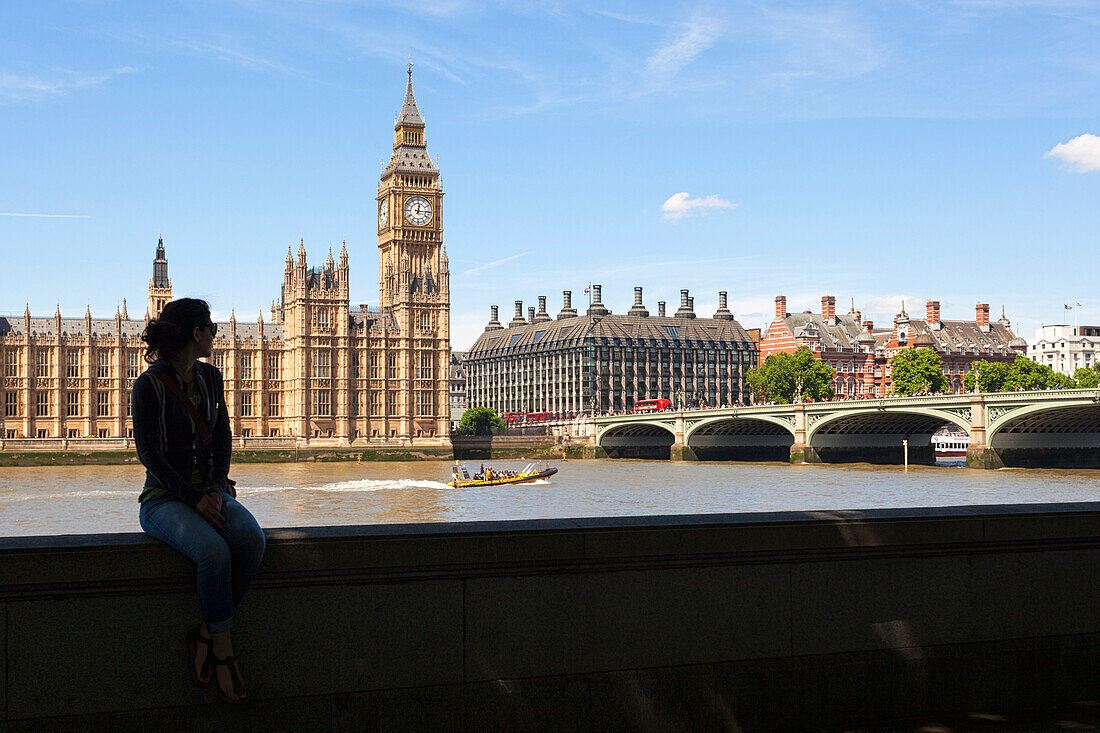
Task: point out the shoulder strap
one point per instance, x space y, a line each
200 424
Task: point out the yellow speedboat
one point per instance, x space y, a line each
461 478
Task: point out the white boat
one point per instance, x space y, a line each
950 444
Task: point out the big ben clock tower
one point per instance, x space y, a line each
414 288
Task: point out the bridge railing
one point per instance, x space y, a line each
944 400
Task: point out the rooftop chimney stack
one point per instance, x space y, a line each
684 311
869 326
567 309
723 312
517 320
932 312
494 322
597 308
780 307
981 314
660 309
531 315
638 309
828 307
542 316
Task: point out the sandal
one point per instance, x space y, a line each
206 675
233 666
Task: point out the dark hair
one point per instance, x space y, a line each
167 335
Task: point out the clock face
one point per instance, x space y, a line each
383 213
418 210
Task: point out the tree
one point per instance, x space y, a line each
917 370
479 421
792 378
1089 377
1022 373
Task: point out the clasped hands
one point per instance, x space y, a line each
210 506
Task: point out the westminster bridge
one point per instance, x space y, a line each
1047 428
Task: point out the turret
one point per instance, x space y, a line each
160 286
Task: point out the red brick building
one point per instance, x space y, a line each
860 356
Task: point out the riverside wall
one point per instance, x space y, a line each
121 452
778 621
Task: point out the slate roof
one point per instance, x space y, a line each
76 327
457 369
834 334
272 331
574 331
385 321
962 337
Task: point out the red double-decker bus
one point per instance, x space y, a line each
658 405
515 418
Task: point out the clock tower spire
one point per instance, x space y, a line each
414 287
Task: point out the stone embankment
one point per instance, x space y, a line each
779 621
463 448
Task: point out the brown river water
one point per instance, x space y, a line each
94 499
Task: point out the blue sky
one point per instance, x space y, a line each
876 151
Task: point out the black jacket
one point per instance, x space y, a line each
166 444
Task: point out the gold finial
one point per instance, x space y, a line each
410 67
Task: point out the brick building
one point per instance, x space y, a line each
860 355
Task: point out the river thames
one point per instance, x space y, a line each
94 499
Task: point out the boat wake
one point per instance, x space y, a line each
342 487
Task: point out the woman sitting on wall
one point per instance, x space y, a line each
181 430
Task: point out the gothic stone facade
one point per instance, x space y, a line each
602 361
860 355
320 369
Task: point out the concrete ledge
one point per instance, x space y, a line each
702 622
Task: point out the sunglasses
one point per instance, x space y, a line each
213 328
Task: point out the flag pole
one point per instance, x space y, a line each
1076 332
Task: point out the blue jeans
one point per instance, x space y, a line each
226 558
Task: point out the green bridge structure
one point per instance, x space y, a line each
1058 428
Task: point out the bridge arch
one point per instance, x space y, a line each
751 437
1047 434
638 439
875 434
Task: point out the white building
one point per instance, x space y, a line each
1065 349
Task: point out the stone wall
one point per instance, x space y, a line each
711 622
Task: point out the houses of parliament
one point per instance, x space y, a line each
318 369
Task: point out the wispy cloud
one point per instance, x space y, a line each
48 216
494 263
25 88
1081 154
892 304
701 31
680 205
233 55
